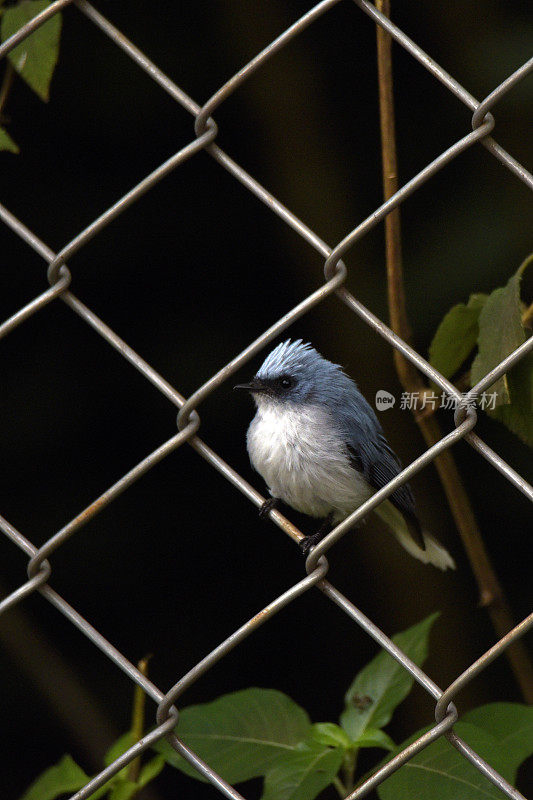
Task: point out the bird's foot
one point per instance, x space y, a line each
310 541
267 507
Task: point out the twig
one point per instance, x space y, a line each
340 787
348 770
137 719
491 592
5 88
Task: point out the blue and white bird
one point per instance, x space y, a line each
319 447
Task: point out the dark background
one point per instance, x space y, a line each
188 277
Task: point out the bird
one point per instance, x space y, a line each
320 449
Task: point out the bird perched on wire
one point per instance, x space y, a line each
320 448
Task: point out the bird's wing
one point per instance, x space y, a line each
380 467
371 454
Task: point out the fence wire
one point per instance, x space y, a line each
59 276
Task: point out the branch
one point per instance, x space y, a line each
137 720
490 590
5 88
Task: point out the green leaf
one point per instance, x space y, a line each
500 332
330 735
374 737
239 735
456 336
117 748
7 143
122 744
123 790
119 786
441 772
511 724
151 770
518 416
63 778
103 790
35 57
302 774
384 683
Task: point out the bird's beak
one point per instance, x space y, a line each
255 385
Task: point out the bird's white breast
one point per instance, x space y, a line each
303 460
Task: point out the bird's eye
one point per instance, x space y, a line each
285 382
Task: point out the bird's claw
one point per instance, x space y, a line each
305 545
309 542
312 540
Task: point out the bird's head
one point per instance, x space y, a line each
294 373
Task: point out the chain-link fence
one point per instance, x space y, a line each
39 568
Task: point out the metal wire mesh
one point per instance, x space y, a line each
39 569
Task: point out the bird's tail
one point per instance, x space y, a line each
434 552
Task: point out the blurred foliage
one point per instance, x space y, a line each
263 733
35 58
501 733
497 323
